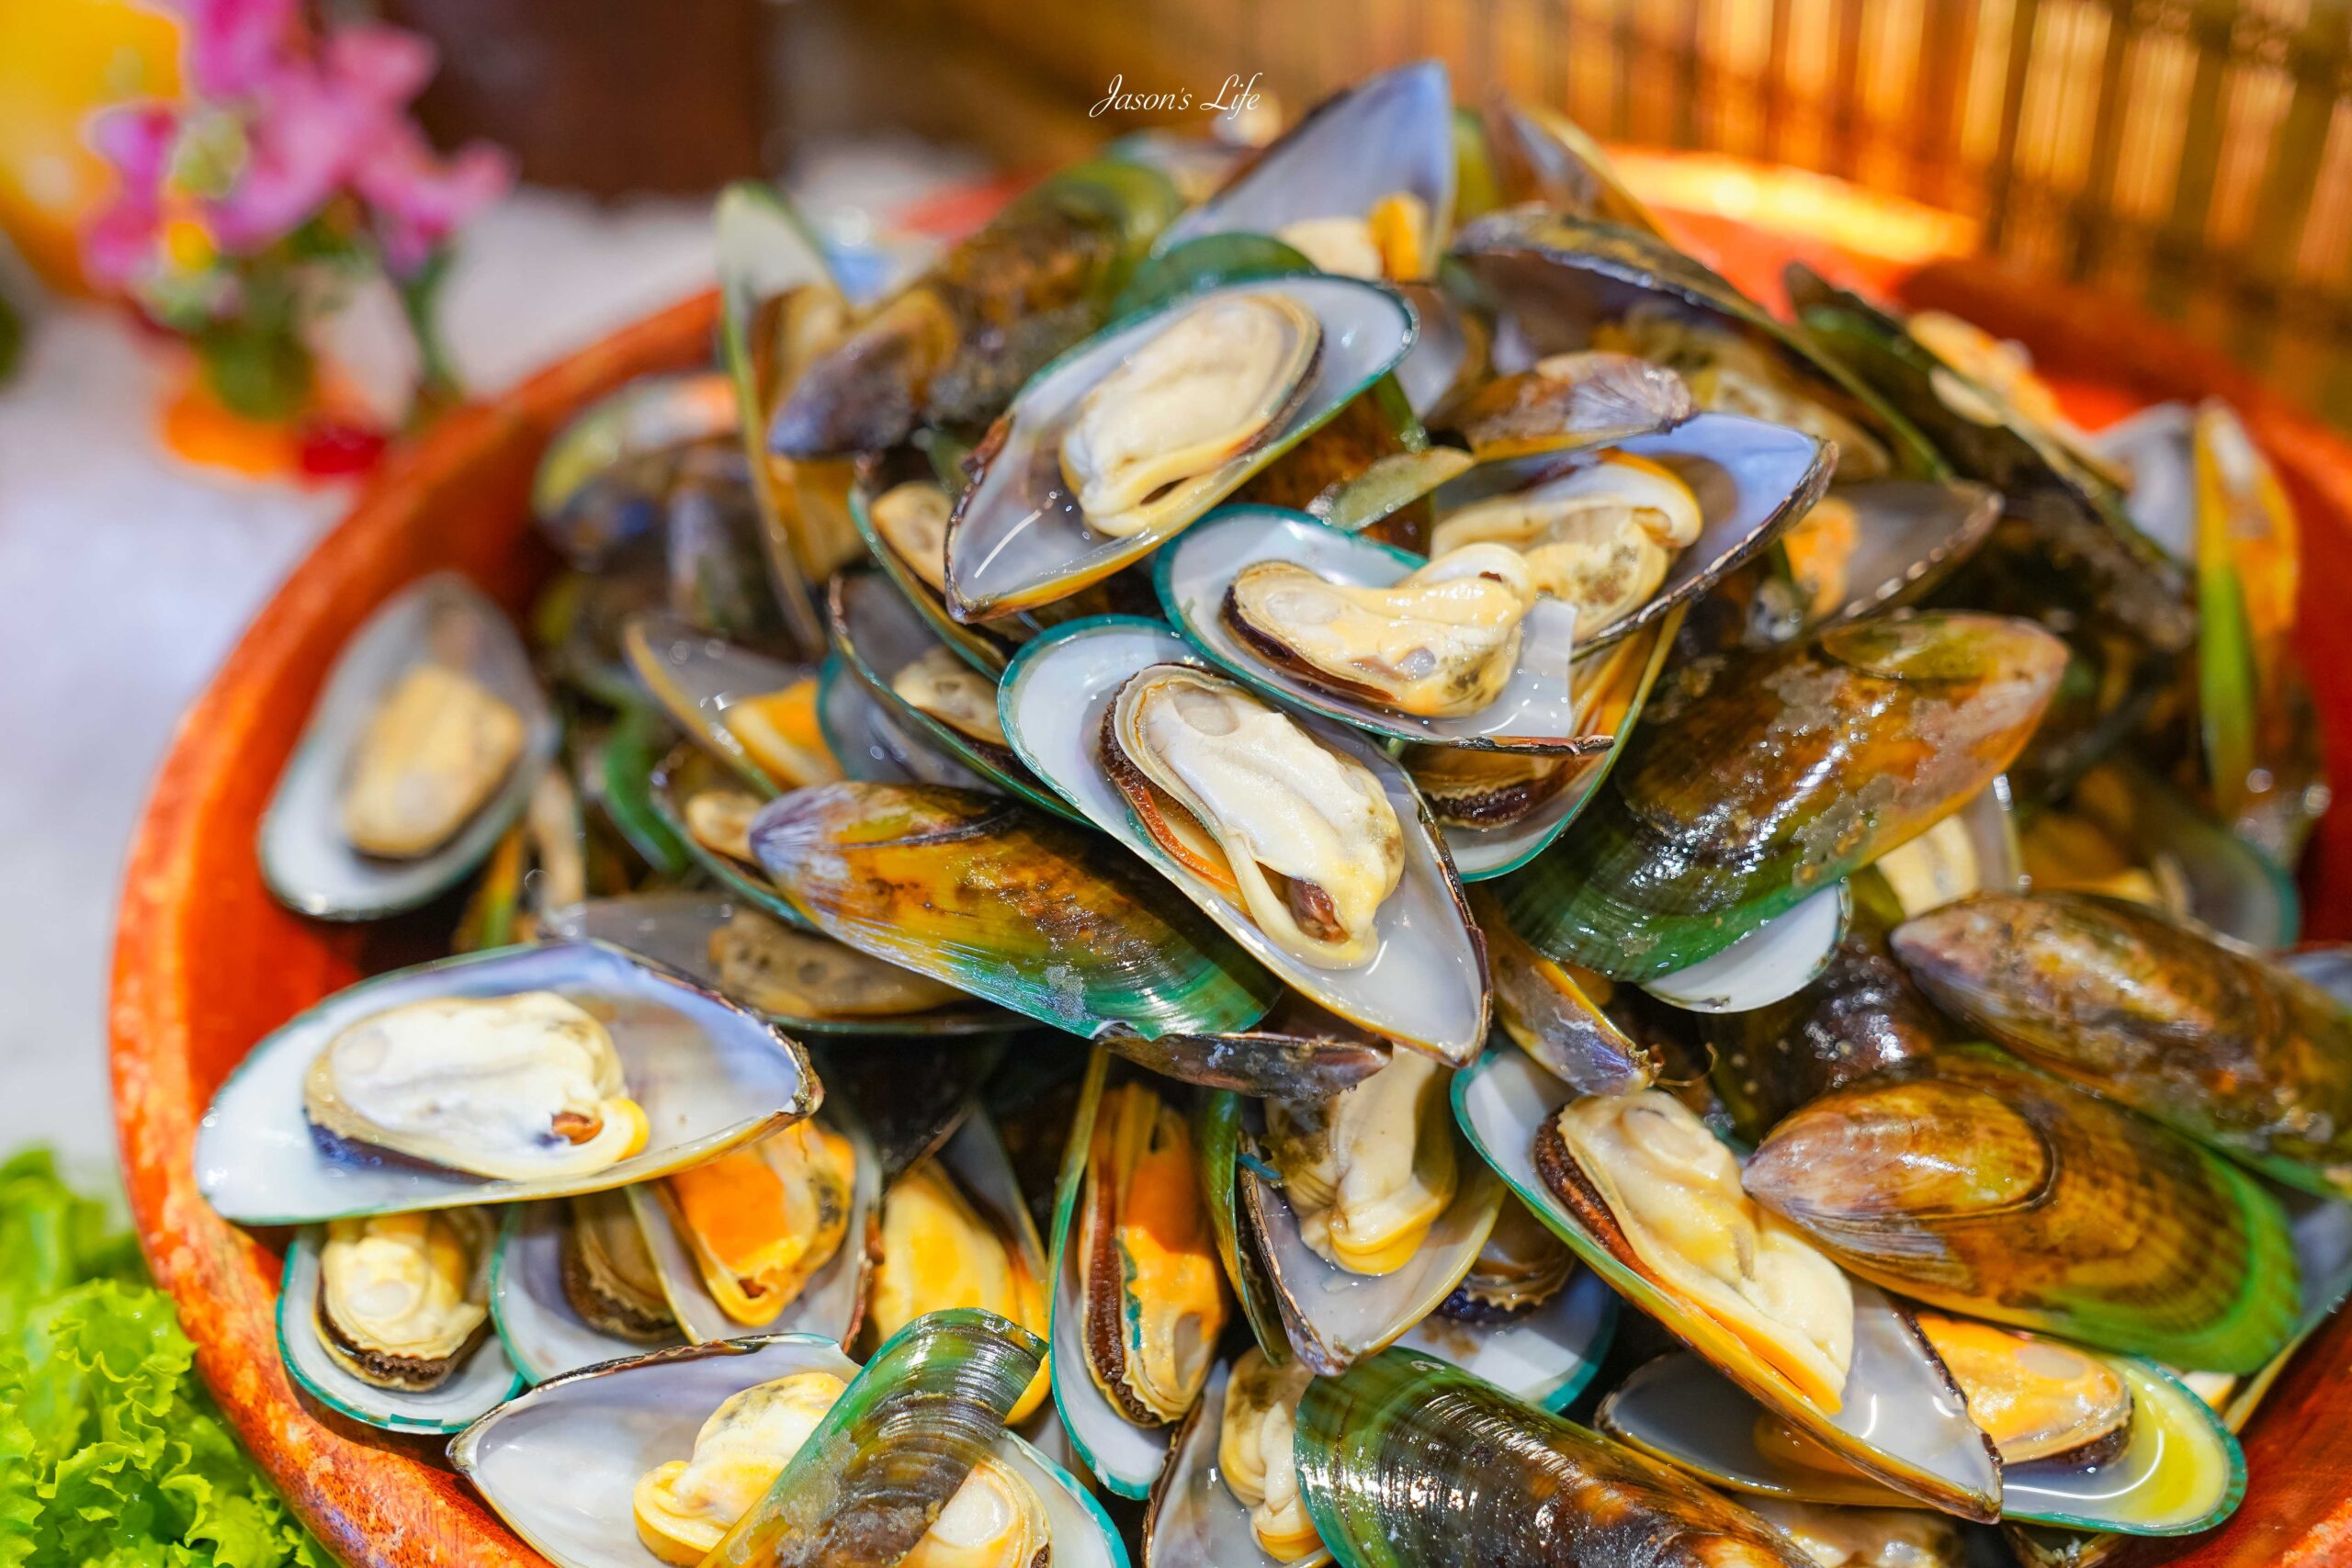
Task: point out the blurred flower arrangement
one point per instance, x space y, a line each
291 169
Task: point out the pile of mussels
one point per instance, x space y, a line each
1212 832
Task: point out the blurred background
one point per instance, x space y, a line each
2190 156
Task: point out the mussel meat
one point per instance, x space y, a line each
404 1298
521 1087
766 964
1522 1267
949 690
1597 535
435 749
940 1251
1237 792
1253 1453
911 518
608 1272
1369 1170
1443 642
761 1221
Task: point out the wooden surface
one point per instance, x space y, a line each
206 964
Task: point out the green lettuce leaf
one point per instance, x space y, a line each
111 1453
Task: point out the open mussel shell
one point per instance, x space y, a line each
616 774
831 1302
1024 909
484 1379
1904 719
308 861
1771 964
871 746
1298 1051
1554 278
1555 1012
2219 879
1612 683
1448 354
879 634
1194 1520
1217 1135
1975 1183
696 678
1427 984
603 481
687 773
1537 711
560 1463
676 928
986 648
1335 1317
1407 1460
1546 1357
708 1074
1936 1455
1751 480
1390 134
1019 538
544 1334
1908 536
2178 1472
1542 156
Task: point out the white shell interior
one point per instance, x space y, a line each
304 857
1427 984
1019 539
1546 1358
1535 711
1774 961
708 1074
479 1382
1196 1519
874 748
1907 529
543 1336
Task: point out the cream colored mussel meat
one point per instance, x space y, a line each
403 1298
1302 836
1370 1169
520 1088
1152 436
1521 1265
1674 1190
1386 243
766 964
684 1508
720 821
1599 536
435 749
1439 642
608 1272
911 518
943 685
1253 1453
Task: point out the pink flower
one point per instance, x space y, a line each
419 201
298 154
237 47
386 66
118 244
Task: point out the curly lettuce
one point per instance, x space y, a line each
111 1453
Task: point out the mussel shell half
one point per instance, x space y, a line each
1975 1183
674 928
1018 539
1616 681
1388 133
689 772
1297 1051
1535 711
1334 1316
879 633
484 1379
1546 1357
1009 903
1193 1519
1771 964
1552 1012
305 858
871 746
558 1464
986 648
1938 1457
1426 988
1407 1460
590 495
1908 535
2226 882
710 1075
1752 480
1123 1456
833 1301
544 1337
1553 277
2179 1471
1849 744
696 678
